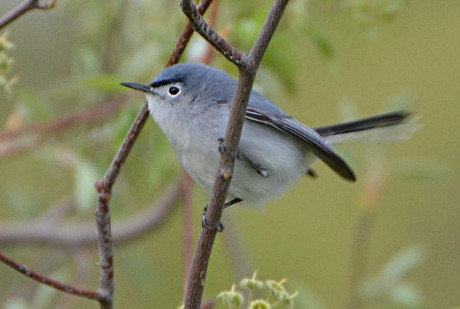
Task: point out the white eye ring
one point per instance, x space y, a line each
174 91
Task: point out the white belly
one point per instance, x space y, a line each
284 160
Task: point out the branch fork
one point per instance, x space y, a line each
247 64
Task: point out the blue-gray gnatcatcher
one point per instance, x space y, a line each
191 104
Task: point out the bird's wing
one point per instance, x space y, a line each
309 137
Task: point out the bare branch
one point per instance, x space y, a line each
23 8
247 65
48 281
104 186
104 232
215 39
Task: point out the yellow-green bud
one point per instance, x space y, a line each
252 283
232 298
259 304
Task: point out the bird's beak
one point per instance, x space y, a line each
143 88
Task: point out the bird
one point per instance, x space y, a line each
191 103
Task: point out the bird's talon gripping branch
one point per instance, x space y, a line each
204 223
221 145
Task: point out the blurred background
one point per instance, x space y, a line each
391 240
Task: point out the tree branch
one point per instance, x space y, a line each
247 65
48 281
104 186
23 8
216 40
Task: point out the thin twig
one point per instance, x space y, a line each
48 281
247 65
23 8
215 39
104 186
104 189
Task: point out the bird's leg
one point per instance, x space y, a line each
219 226
262 171
221 145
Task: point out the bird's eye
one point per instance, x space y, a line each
173 91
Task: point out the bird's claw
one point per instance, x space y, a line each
221 145
204 223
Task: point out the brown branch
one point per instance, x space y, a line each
23 8
104 186
215 39
247 65
48 281
104 232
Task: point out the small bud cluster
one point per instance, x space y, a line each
272 293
